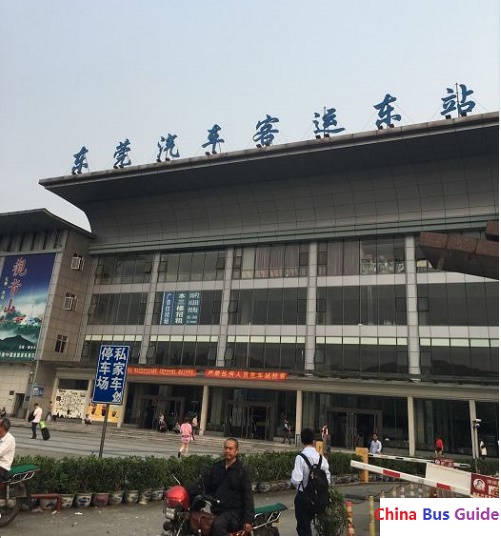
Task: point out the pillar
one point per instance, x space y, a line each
203 411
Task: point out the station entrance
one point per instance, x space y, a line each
350 428
249 420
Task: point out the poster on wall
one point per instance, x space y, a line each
97 412
70 403
24 287
181 308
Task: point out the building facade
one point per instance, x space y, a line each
287 282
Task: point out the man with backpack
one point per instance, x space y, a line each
311 478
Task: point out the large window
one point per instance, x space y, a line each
128 268
191 266
92 344
383 255
271 261
364 305
460 357
117 309
266 353
281 306
186 351
366 355
472 303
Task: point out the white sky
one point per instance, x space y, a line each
94 73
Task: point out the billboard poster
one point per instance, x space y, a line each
24 288
181 308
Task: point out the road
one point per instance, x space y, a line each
145 520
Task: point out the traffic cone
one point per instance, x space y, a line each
349 518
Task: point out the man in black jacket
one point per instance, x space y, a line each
229 481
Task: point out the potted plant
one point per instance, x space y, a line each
67 482
85 473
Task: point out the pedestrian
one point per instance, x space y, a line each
229 481
439 447
186 436
3 412
7 447
162 425
48 418
194 425
299 479
286 430
35 420
87 419
326 439
375 447
483 449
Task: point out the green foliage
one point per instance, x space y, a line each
333 522
339 462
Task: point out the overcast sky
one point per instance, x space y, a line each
94 73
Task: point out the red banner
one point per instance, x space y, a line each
163 372
484 486
219 373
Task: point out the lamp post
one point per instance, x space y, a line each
475 424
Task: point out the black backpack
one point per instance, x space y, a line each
317 489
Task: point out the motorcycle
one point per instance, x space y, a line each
13 491
185 518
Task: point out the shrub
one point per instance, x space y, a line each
333 522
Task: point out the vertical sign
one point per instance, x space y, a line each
181 308
110 374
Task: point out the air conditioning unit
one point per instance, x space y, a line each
70 302
77 263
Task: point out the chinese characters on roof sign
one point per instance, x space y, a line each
213 138
167 145
121 154
180 308
110 374
456 100
385 110
265 132
80 161
329 123
325 124
248 375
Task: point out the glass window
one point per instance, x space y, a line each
260 310
351 297
197 266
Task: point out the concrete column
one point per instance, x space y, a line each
311 309
225 302
411 426
299 412
412 312
203 411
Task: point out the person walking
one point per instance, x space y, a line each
375 447
48 417
326 439
299 479
35 420
439 447
286 430
483 449
186 436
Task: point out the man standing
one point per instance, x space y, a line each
375 447
37 417
299 479
286 431
7 447
229 481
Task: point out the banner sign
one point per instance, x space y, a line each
24 288
245 374
484 486
180 308
110 374
165 372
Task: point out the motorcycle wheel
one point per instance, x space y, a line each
8 513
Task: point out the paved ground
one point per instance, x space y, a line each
69 439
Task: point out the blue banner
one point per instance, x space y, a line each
181 308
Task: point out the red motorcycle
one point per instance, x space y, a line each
185 518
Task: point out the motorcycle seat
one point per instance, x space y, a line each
278 507
19 473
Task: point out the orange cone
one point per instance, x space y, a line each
349 518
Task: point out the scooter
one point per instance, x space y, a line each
185 518
13 491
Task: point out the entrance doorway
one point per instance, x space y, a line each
353 427
152 406
249 420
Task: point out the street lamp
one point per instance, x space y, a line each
475 424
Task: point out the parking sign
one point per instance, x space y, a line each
111 371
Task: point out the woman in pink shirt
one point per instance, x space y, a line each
186 436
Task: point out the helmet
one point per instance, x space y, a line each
177 496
